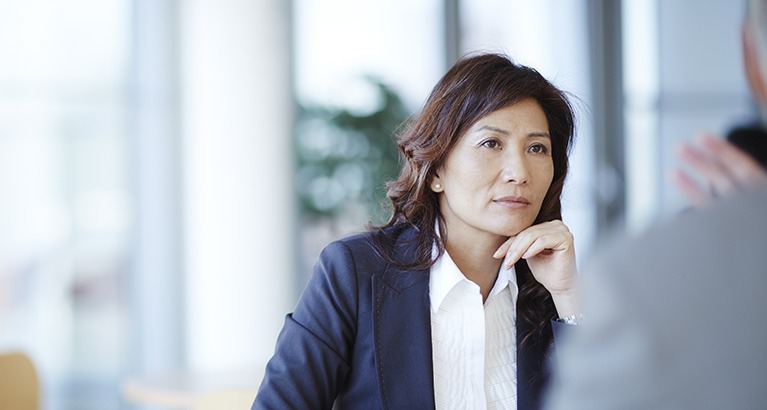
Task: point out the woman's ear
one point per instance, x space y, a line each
436 184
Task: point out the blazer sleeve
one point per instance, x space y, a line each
312 357
560 331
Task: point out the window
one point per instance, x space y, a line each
67 207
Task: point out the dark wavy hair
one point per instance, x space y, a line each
474 87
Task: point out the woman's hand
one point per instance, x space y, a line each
550 253
722 166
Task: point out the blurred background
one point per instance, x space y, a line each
170 169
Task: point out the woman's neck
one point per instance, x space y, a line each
475 260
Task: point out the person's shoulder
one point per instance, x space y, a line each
691 289
726 217
708 239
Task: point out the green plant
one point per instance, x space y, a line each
345 157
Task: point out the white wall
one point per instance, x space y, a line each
236 127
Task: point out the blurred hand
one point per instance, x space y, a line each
724 168
549 251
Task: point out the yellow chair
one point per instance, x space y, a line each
226 399
19 384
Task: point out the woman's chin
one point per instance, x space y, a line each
512 230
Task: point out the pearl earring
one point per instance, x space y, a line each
437 186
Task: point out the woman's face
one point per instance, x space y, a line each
493 182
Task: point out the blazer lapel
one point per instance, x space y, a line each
402 334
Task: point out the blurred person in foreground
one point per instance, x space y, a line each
676 317
455 302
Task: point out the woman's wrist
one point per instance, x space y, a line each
566 302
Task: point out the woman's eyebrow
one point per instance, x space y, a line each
494 129
504 132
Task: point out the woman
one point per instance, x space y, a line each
423 312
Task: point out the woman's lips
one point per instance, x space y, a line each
512 201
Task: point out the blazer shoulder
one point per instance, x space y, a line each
371 245
361 240
353 250
386 252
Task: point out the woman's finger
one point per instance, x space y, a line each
517 247
546 245
535 239
503 249
519 244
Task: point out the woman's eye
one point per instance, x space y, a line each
491 144
539 149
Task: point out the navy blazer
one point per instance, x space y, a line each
360 335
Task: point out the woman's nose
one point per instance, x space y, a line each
515 169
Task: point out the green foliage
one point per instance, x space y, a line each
345 157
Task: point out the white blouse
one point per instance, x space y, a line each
473 345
